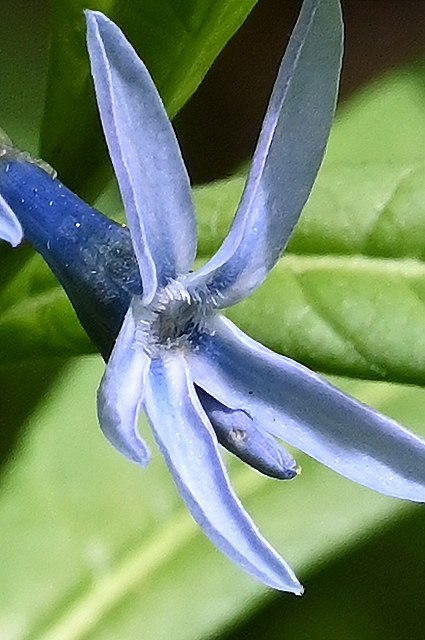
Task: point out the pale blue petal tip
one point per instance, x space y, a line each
150 171
298 406
126 441
289 153
240 434
120 392
10 227
95 17
187 442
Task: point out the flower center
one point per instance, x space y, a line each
171 320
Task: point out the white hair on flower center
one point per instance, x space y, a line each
172 319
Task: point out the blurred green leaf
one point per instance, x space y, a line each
23 38
178 41
20 393
353 316
376 210
94 547
36 318
384 122
381 598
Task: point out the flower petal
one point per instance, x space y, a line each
187 442
147 160
297 405
121 392
288 156
238 432
10 227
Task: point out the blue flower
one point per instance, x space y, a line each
197 377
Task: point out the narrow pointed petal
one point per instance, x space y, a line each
10 227
297 405
147 160
121 393
238 432
288 155
189 446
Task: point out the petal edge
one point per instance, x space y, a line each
120 394
300 407
187 442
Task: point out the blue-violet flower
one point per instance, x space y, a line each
199 379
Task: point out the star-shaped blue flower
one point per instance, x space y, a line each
197 377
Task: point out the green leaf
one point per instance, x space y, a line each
94 547
20 393
374 209
349 295
22 70
36 318
384 122
354 316
380 600
178 41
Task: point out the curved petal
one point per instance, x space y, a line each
297 405
147 160
288 155
187 442
10 227
121 392
238 432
